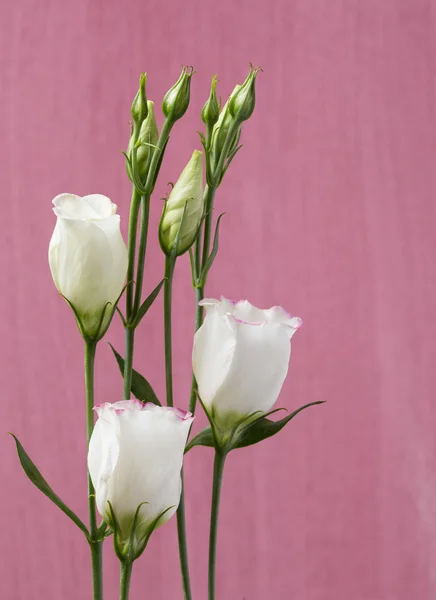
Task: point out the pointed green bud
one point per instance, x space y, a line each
241 105
211 110
176 100
147 138
221 128
139 104
187 192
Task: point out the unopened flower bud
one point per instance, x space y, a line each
221 128
241 104
139 104
148 137
211 110
176 100
183 210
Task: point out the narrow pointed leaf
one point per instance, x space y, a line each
265 428
204 438
148 302
140 387
38 480
214 252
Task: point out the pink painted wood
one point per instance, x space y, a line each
330 211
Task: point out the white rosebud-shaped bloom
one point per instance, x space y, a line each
135 455
87 255
188 191
241 357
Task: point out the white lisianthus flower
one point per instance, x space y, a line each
88 257
240 358
135 456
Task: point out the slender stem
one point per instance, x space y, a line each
125 576
218 469
209 195
199 295
133 225
128 362
183 545
145 214
96 546
181 523
134 291
168 292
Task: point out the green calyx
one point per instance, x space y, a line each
144 144
176 100
211 110
139 105
242 102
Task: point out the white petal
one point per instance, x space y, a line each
117 275
87 208
101 205
85 263
152 441
53 255
102 459
245 311
258 370
214 347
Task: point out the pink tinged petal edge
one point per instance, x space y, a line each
183 415
247 322
120 406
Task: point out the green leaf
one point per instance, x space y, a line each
213 254
264 428
204 438
38 480
148 302
140 388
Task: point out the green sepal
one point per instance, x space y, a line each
250 431
212 255
38 480
140 387
263 428
147 304
103 532
131 549
159 163
101 331
142 544
229 160
119 547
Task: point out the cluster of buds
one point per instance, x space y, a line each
224 127
145 133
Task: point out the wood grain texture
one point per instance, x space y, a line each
330 212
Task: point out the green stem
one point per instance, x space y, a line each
125 576
218 469
199 295
181 522
209 195
145 214
168 292
133 225
134 290
183 545
96 546
128 361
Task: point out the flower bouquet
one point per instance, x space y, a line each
240 355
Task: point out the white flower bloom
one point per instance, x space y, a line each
240 358
135 456
87 255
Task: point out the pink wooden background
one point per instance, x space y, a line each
330 212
